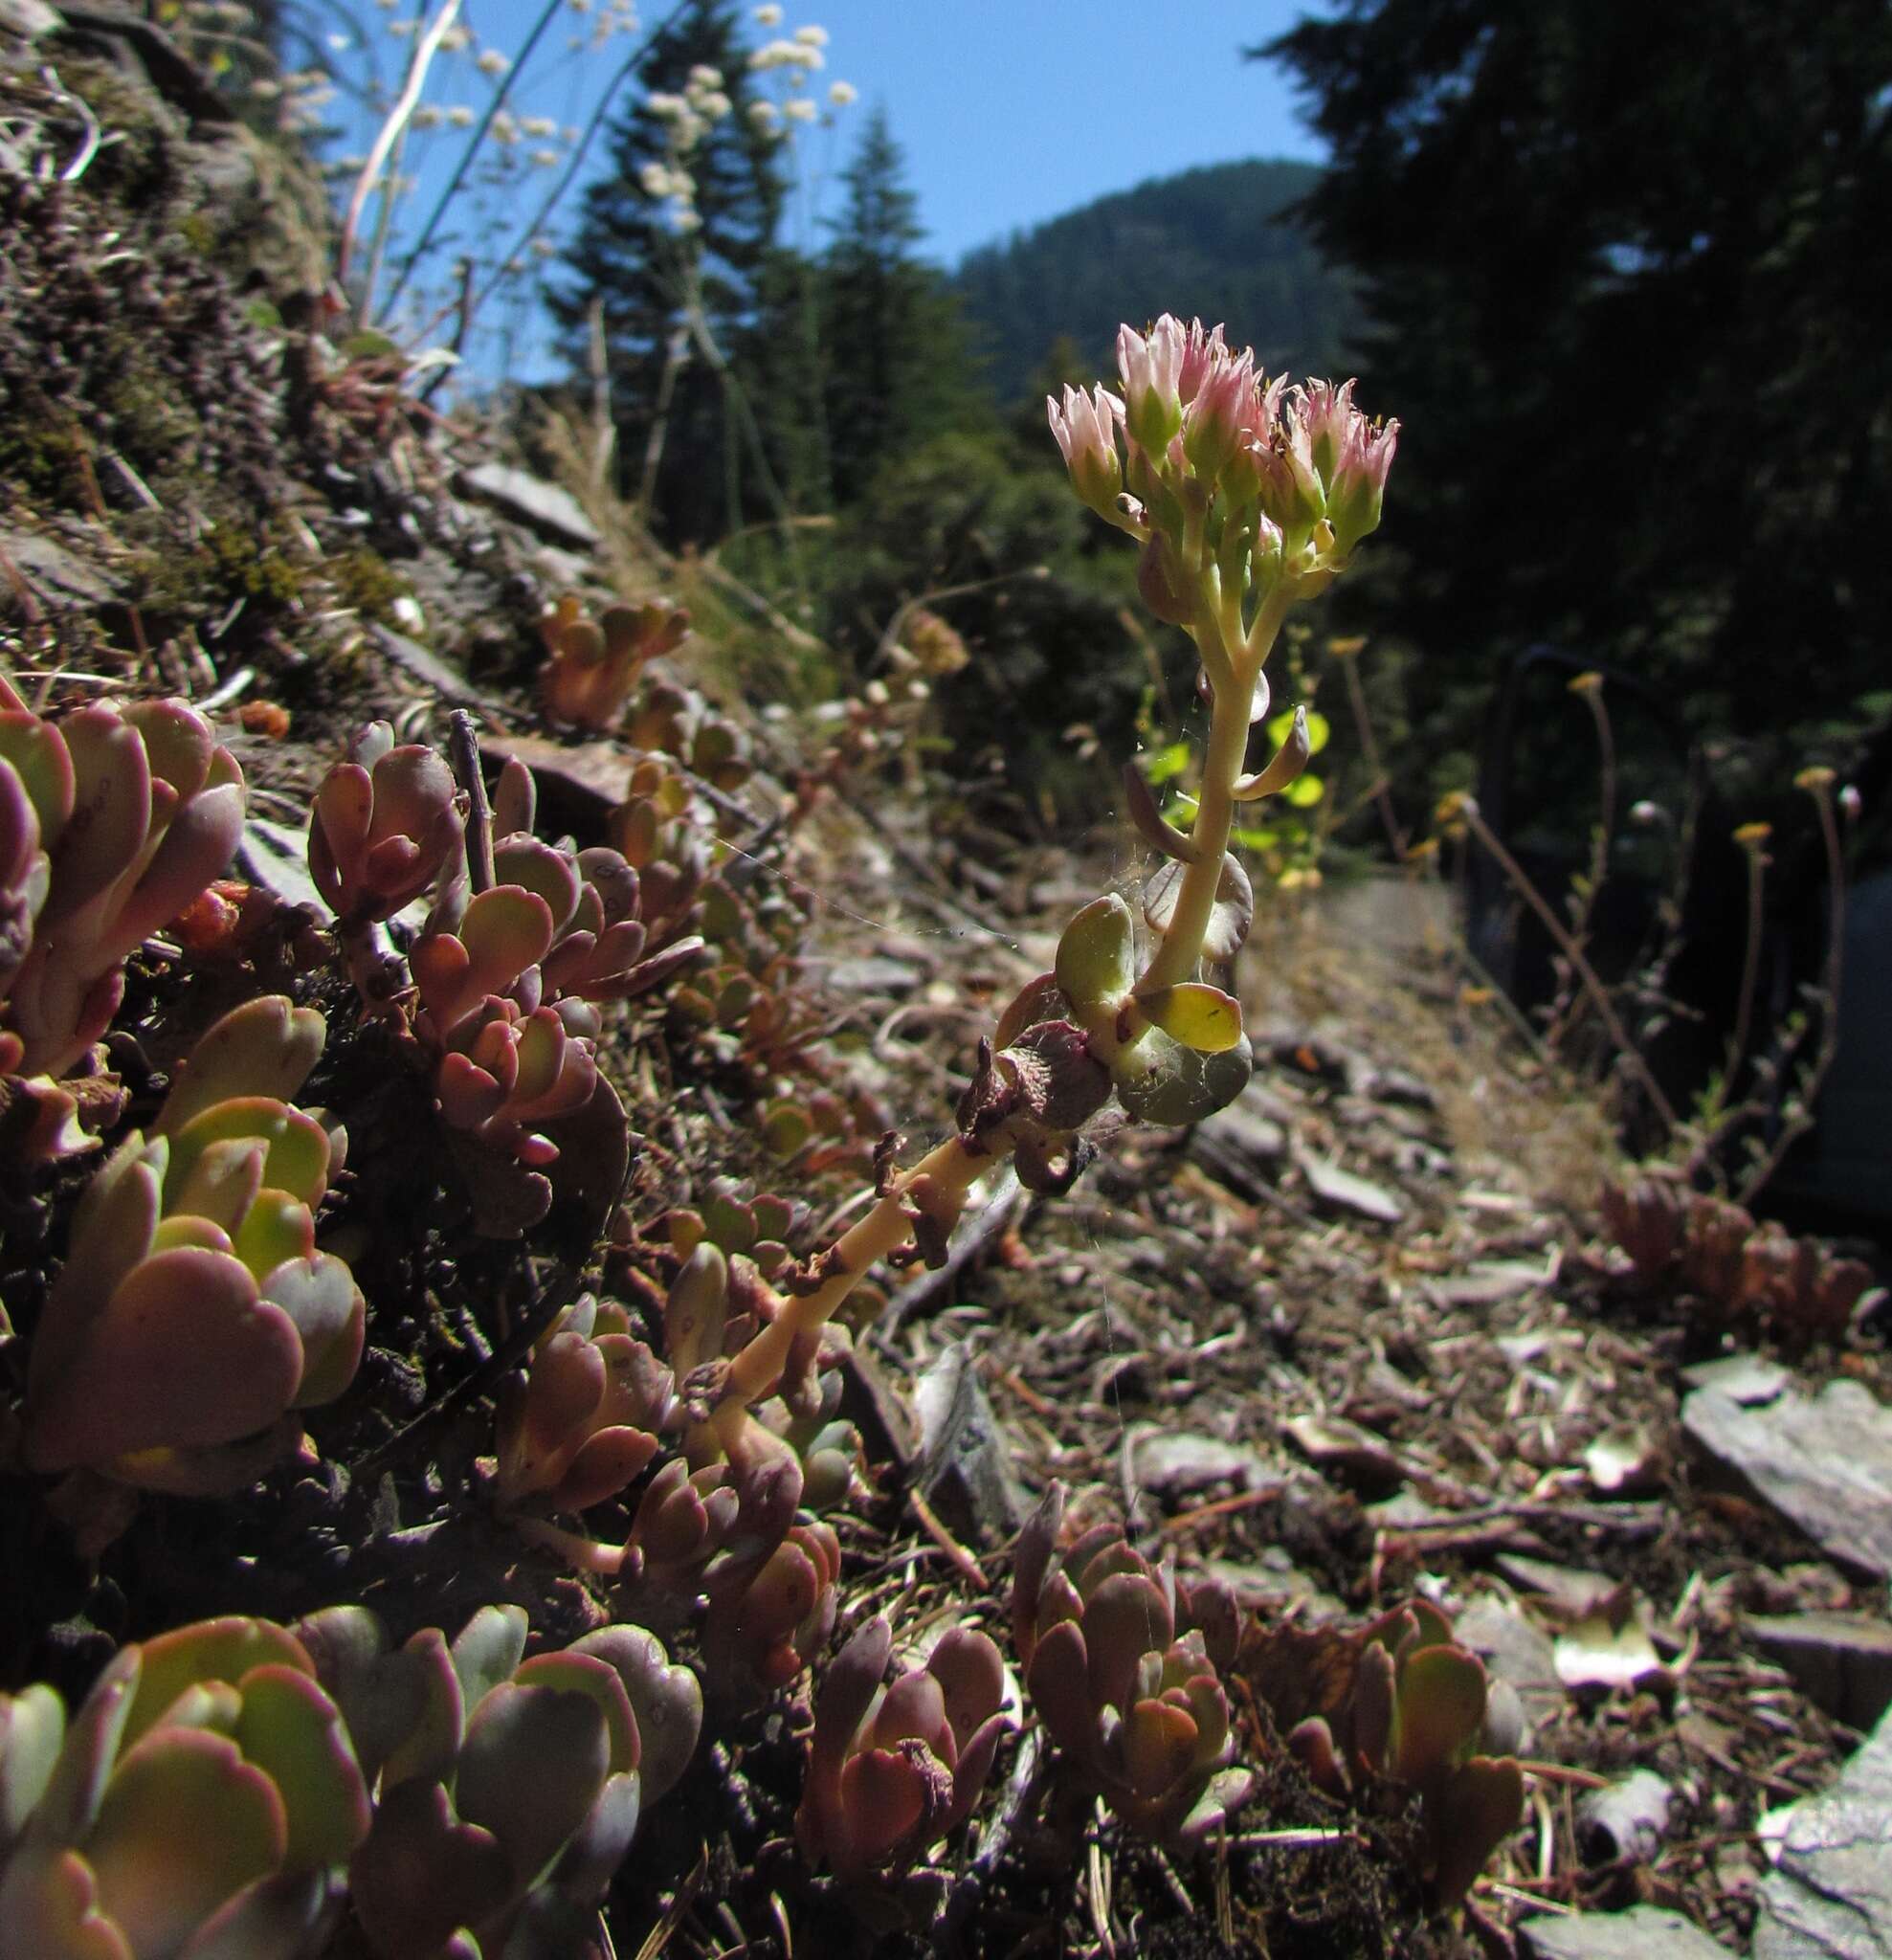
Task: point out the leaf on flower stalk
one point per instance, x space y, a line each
1229 917
1159 1080
1297 749
1200 1017
1151 824
1094 966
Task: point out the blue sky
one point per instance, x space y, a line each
1012 111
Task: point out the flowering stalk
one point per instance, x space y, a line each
1244 496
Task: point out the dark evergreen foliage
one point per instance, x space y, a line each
1629 277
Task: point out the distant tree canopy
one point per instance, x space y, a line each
1215 242
1629 280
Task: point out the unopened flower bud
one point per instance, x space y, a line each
1085 430
1212 422
1850 803
1152 369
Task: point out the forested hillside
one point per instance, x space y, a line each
1213 242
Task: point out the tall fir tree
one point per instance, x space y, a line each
681 301
895 349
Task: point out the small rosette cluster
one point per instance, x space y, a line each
593 664
195 1317
1280 483
507 1790
1714 1250
1124 1663
581 1423
892 1770
112 822
386 822
1416 1712
203 1803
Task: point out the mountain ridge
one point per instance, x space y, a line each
1215 241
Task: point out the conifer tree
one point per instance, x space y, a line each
675 240
895 352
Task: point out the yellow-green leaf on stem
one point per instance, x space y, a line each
1199 1017
1095 956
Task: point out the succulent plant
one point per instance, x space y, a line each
112 821
385 822
196 1316
1398 1705
894 1770
509 1789
580 1422
1123 1665
229 1791
593 664
203 1804
1714 1250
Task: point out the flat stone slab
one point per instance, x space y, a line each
542 505
1645 1932
1823 1461
1342 1191
1830 1896
1841 1661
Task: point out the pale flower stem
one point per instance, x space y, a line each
1751 969
1175 958
1601 841
952 1169
1815 1080
1599 997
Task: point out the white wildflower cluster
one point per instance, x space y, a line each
792 57
618 17
685 119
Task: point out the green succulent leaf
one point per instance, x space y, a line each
1160 1081
185 1825
1481 1804
1200 1017
223 1649
488 1650
1096 957
266 1047
293 1733
1441 1704
298 1152
33 1727
532 1765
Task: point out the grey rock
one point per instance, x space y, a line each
1343 1191
448 683
1242 1146
1627 1819
1514 1650
29 18
276 858
542 505
1744 1379
873 974
1645 1932
1830 1896
1844 1661
1174 1463
965 1465
55 573
1823 1461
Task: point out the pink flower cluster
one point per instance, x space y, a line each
1191 411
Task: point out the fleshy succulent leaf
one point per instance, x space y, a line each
1095 956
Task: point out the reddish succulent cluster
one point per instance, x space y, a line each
112 821
1398 1709
1122 1663
893 1770
1714 1251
